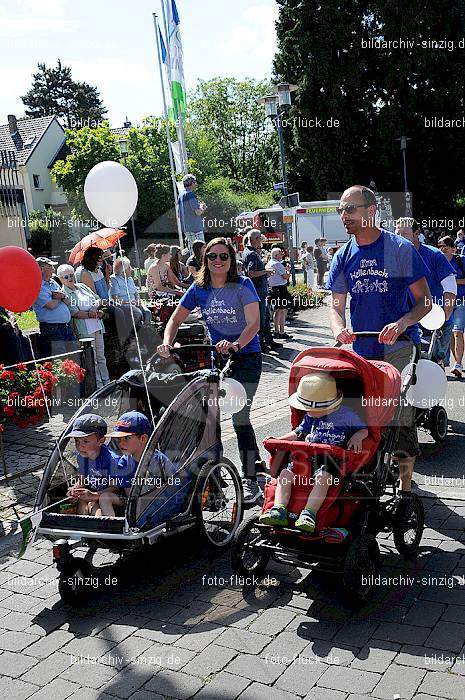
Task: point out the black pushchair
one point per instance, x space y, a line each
204 494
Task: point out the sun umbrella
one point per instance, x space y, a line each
103 239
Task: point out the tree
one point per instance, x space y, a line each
54 92
349 66
224 117
50 233
226 199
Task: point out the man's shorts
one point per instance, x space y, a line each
459 317
407 443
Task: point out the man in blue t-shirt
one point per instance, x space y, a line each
379 269
191 212
441 281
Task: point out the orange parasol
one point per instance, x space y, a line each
103 239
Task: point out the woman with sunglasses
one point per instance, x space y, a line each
86 317
230 309
90 274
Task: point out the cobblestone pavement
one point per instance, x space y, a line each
180 625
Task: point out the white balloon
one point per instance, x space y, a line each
111 193
235 398
431 385
434 319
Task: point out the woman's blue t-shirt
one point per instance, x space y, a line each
223 310
377 276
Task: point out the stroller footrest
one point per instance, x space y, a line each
88 523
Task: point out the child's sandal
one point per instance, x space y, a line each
306 522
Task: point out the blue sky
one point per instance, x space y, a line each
111 44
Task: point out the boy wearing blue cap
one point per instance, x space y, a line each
132 431
96 463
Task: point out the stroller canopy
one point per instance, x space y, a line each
380 382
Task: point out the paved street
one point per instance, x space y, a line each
181 626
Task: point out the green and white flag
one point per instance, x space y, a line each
175 62
29 527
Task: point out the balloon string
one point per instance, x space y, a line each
144 376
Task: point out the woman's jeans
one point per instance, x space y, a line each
246 368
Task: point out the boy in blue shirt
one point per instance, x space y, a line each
96 462
326 422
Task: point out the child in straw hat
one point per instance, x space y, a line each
326 422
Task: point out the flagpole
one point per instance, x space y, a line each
179 125
168 137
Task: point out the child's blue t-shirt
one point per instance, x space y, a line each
97 472
333 429
438 269
127 467
377 277
459 272
223 310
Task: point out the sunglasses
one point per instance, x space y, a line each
350 208
221 256
68 277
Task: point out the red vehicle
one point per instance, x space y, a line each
268 221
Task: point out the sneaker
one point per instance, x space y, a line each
402 506
306 522
457 369
252 492
277 515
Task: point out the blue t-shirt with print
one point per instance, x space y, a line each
252 262
190 221
97 472
438 269
377 276
332 429
458 265
223 310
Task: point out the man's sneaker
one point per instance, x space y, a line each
252 492
402 507
457 369
277 515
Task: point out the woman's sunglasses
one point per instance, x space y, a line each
221 256
68 277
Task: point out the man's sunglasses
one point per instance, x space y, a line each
221 256
68 277
350 208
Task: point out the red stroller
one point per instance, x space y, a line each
359 505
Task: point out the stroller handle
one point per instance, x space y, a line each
194 346
371 334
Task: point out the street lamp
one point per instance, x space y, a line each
276 105
408 201
123 147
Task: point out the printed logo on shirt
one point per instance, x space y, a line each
363 281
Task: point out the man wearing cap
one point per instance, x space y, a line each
52 311
253 267
95 492
191 211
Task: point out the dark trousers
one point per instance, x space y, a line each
321 276
246 369
266 336
56 338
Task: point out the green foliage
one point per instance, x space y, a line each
228 134
226 198
54 92
50 233
89 146
377 94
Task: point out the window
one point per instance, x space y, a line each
36 180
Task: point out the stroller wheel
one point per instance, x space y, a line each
438 423
360 567
247 559
219 503
408 534
76 581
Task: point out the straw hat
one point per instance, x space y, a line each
317 393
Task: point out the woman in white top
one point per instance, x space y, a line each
308 264
150 252
87 318
280 298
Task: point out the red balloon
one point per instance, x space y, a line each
20 279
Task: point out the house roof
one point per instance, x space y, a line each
29 133
61 154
